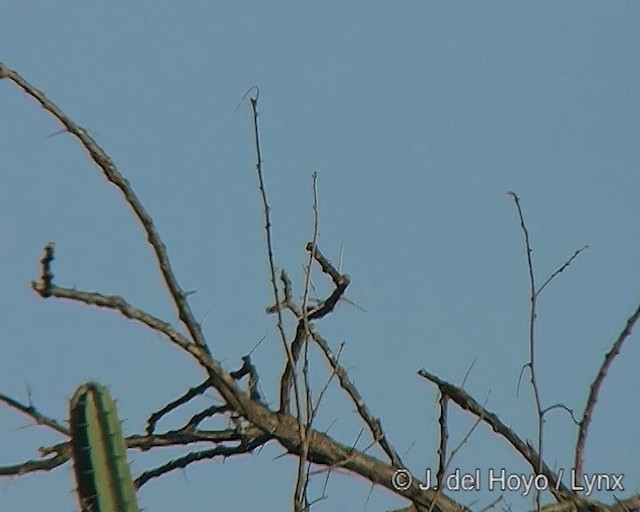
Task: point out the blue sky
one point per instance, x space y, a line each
418 118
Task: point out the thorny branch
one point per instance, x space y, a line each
37 417
595 388
252 423
606 364
534 295
341 282
466 402
532 323
300 494
112 174
282 427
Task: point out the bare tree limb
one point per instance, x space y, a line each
113 175
466 402
595 389
253 422
374 424
35 415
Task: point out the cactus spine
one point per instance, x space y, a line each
103 477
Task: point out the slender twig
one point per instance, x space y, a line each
534 295
270 257
302 480
325 388
454 452
312 252
561 268
267 215
532 322
174 404
37 417
184 461
595 389
31 466
195 420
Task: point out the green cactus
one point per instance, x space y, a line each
103 477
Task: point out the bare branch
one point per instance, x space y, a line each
272 266
112 174
466 402
174 404
31 466
63 453
46 275
37 417
374 424
532 322
595 389
300 498
444 466
444 438
341 282
183 462
561 268
120 305
253 422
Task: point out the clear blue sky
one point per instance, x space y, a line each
418 118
